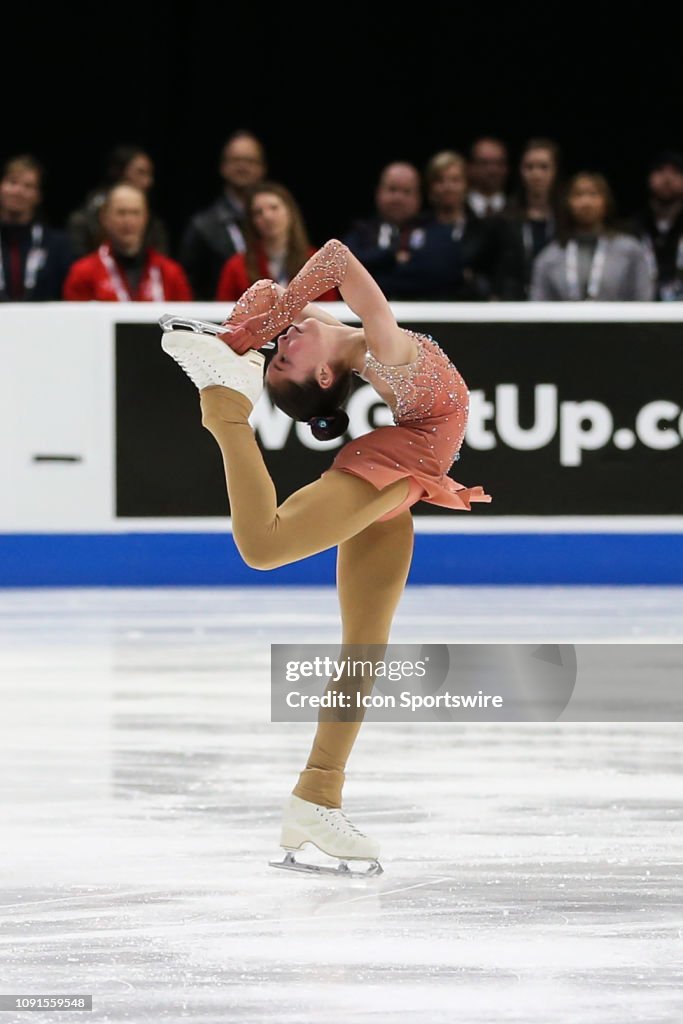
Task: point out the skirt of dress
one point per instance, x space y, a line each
394 453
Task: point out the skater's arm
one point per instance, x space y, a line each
335 266
255 306
318 314
383 337
311 310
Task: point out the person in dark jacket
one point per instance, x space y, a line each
475 243
126 165
216 234
660 225
395 245
530 217
488 174
34 258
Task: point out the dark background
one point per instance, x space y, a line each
168 465
335 93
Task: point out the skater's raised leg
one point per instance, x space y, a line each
319 516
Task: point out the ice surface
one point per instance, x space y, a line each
533 872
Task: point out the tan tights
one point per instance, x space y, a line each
340 510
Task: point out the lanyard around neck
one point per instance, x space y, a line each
596 272
150 276
34 260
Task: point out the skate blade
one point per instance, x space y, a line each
169 322
291 864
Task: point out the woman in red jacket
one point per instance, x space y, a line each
277 244
125 268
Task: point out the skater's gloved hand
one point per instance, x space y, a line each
251 333
260 298
249 317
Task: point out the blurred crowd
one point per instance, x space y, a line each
465 228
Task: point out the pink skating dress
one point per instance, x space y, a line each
430 403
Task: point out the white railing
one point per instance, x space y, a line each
57 392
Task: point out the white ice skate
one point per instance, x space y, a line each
207 361
332 833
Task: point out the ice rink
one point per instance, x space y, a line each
533 872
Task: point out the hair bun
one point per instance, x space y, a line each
326 428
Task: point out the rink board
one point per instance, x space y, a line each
211 559
576 425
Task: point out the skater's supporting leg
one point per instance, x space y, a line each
323 514
372 569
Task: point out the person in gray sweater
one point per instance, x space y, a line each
589 260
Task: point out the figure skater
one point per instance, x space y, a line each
360 504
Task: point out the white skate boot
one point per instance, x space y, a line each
332 833
207 361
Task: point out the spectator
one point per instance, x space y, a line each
126 165
660 225
531 216
477 242
124 268
388 241
34 259
589 259
488 174
215 234
277 244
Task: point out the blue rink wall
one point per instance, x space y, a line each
211 559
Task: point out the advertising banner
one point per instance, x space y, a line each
565 419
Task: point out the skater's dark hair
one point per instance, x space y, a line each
320 407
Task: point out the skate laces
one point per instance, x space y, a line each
193 363
337 814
